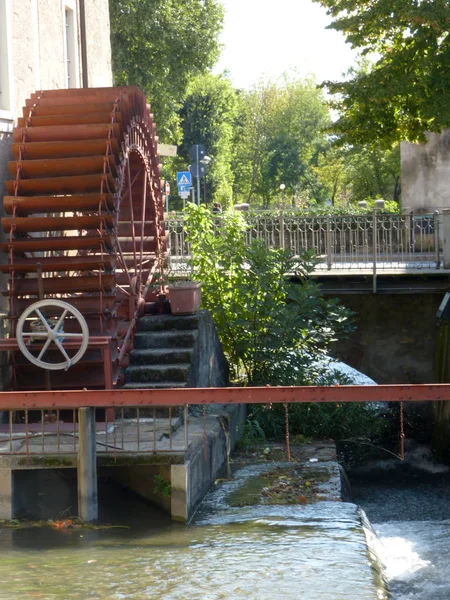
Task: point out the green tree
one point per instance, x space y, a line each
349 174
279 140
160 45
405 92
373 172
208 117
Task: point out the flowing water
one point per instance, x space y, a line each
315 552
408 505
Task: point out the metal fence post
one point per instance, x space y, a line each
328 242
281 229
374 243
436 239
446 238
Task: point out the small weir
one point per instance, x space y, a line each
408 505
313 552
322 551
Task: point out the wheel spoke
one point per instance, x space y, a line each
44 349
60 320
63 352
69 335
33 334
43 320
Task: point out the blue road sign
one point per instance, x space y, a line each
184 178
184 188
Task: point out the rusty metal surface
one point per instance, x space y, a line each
60 285
73 109
55 243
66 133
35 224
244 395
67 119
60 185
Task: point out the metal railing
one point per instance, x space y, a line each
340 242
123 431
44 423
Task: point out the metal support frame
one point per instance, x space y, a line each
237 395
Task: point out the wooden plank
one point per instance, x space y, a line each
61 185
36 150
65 133
35 224
27 205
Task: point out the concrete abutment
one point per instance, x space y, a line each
46 486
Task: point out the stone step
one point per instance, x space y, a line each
167 323
133 385
159 356
158 373
164 339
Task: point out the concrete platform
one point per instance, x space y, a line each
186 459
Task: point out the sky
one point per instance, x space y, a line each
265 39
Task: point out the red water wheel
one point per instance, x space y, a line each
85 226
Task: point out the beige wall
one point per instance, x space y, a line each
426 173
98 43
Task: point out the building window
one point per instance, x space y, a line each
5 59
70 44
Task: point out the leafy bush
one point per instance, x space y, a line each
261 316
273 331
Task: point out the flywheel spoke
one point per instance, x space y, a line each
60 320
63 352
43 320
44 349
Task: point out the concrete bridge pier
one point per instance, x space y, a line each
87 466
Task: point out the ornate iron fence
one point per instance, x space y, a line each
356 242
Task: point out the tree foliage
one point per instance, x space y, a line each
280 134
208 117
350 174
160 45
405 92
271 329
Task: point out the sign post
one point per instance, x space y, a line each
184 183
196 153
167 194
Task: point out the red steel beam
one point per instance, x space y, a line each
236 395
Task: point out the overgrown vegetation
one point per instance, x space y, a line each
161 486
282 485
271 329
340 422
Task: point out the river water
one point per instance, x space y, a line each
408 504
313 552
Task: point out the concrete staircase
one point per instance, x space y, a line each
163 352
173 351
